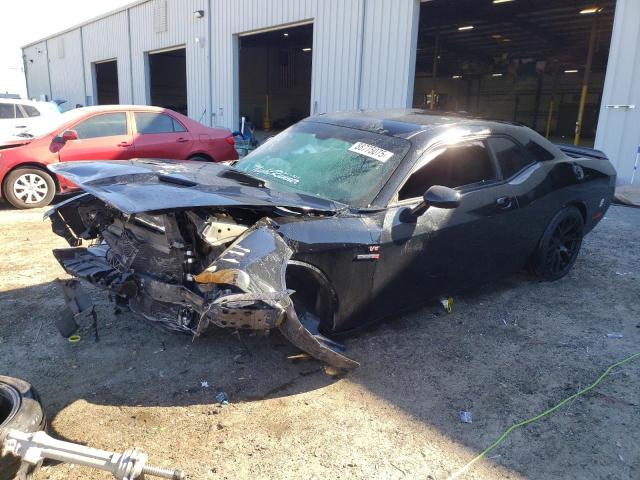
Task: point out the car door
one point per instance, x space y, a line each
443 251
103 136
159 135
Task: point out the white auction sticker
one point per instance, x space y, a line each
371 151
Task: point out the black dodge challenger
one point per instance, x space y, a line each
338 222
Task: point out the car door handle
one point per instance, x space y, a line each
504 203
124 144
182 140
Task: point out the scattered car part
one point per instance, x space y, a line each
80 306
34 447
20 409
340 221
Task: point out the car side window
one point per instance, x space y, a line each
31 111
7 110
103 125
454 166
511 157
150 122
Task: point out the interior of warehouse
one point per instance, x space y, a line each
275 76
167 79
523 61
106 82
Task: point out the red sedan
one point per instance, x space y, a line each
111 132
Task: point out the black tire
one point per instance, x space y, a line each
20 409
559 245
29 187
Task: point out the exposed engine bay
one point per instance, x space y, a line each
189 270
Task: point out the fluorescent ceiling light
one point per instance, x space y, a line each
497 36
590 10
457 76
496 74
285 34
466 27
502 1
571 71
307 49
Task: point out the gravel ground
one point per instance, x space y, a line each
508 351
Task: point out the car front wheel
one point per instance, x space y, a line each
559 245
29 188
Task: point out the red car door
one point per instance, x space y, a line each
104 136
159 135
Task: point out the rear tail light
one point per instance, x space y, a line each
230 140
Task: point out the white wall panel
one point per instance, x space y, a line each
341 42
618 133
37 70
107 39
388 66
183 28
65 63
363 51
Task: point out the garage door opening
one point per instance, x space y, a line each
168 79
275 77
106 75
518 61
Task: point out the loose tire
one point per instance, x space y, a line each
20 409
29 188
559 245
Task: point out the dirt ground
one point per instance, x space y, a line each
508 351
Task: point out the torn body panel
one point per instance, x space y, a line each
174 271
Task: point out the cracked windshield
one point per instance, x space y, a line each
337 163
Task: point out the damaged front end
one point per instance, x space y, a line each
187 270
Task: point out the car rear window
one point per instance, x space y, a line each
511 157
149 123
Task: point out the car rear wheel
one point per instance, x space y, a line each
29 188
20 409
560 245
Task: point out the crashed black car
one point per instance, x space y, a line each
338 222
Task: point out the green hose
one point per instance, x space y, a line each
506 433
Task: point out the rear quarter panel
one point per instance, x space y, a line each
546 187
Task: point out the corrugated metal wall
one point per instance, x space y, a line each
388 67
363 51
65 70
349 71
618 133
37 70
108 39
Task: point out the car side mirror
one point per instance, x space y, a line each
437 196
69 135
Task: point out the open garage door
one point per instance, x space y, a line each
275 77
168 79
106 87
539 63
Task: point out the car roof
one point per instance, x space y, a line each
109 108
21 101
422 126
405 123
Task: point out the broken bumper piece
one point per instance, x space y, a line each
255 299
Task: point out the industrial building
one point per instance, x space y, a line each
568 68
